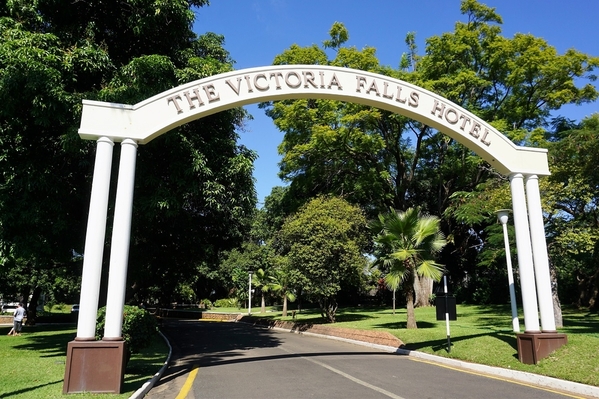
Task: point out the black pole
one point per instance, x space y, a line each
447 315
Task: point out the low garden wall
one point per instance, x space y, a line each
373 337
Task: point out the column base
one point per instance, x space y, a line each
532 347
94 366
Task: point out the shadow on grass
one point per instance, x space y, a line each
29 389
48 345
438 344
403 325
580 323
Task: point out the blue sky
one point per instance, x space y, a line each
256 31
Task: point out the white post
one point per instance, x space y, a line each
250 295
94 241
119 254
539 252
502 216
525 263
447 314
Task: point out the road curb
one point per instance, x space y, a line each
515 375
145 388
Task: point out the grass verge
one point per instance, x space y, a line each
481 334
33 364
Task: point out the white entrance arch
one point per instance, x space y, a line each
132 125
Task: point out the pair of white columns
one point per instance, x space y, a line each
95 237
533 262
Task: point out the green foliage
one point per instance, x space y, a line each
139 327
406 246
194 188
226 303
323 244
206 304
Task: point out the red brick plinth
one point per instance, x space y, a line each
533 347
94 366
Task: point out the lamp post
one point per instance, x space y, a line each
502 217
250 294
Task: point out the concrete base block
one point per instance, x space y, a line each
533 347
94 366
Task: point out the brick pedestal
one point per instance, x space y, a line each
94 366
533 347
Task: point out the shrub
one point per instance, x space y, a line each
139 327
206 304
226 303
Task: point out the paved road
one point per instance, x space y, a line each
234 360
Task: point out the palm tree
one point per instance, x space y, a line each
260 281
406 244
280 285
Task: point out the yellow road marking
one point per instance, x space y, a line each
188 383
497 378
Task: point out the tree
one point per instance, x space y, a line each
407 243
280 285
324 243
381 160
571 199
194 189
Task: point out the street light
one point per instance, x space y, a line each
502 217
250 294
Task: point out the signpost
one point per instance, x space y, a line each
446 310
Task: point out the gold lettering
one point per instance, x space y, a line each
172 99
257 86
235 89
211 93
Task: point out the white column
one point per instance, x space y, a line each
539 252
94 241
121 232
525 265
502 216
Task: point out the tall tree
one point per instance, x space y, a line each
194 190
324 244
407 243
381 160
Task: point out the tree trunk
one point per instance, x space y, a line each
410 306
557 307
32 308
285 305
423 289
263 305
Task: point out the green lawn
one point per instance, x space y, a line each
33 364
481 334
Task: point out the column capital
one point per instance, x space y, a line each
105 139
130 142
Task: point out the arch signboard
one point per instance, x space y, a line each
149 119
133 125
